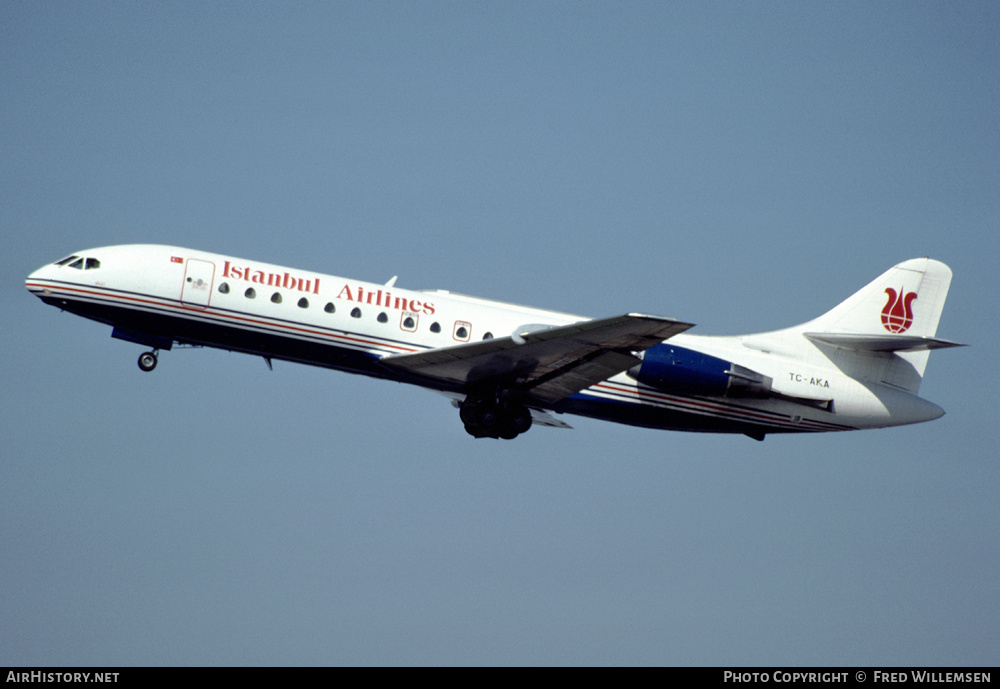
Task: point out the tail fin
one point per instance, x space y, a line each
897 312
907 298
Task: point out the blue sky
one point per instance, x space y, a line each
742 166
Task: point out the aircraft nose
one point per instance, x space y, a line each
33 281
35 275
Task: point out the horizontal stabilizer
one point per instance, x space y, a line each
881 343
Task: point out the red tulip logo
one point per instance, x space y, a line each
897 315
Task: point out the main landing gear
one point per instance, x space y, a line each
147 360
490 417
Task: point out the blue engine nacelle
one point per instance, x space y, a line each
676 369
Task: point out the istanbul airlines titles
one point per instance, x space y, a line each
286 280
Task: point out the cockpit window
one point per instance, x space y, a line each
79 263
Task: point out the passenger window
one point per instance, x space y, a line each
435 327
382 318
303 303
355 312
276 297
408 322
487 336
224 288
461 331
251 293
329 308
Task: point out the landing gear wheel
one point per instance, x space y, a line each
487 414
517 419
507 433
486 417
147 361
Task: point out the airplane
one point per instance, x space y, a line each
508 367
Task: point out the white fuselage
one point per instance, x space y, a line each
158 294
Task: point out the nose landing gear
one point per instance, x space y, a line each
147 360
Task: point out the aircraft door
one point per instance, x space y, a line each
198 278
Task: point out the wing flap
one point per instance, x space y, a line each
549 364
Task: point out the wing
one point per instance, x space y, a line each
550 364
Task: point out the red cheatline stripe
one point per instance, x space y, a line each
217 314
766 417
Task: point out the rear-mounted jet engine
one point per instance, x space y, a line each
676 369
